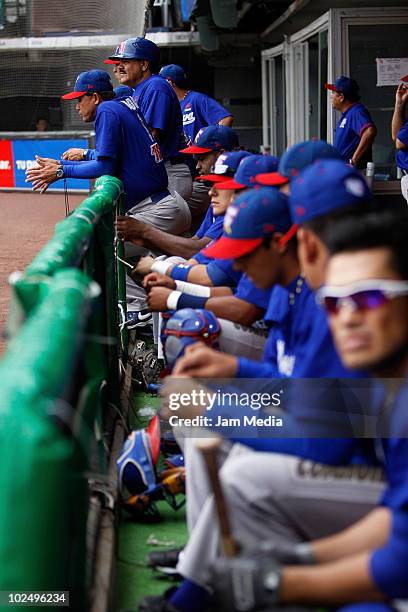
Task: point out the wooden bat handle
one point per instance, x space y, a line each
209 449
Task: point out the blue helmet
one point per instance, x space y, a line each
123 90
188 326
138 48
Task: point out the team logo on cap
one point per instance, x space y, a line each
121 48
355 187
198 134
229 218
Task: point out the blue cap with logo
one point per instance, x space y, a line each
90 82
324 187
123 90
225 166
296 158
345 85
253 216
175 73
248 170
137 48
213 138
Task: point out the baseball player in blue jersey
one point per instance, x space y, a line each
124 148
355 130
198 109
399 133
272 472
137 66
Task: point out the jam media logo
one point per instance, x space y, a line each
155 151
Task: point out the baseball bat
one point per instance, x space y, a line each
209 450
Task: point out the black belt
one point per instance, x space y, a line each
178 159
156 197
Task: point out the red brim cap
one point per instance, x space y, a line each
231 184
271 178
212 178
110 61
330 86
289 234
73 94
404 78
193 150
232 248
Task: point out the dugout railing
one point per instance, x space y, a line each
61 409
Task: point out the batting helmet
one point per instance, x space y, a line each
138 48
185 327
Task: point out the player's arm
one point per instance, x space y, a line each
398 118
227 121
366 140
345 580
131 229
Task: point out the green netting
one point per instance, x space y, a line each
44 494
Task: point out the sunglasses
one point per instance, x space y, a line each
365 295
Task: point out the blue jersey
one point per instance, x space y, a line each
160 107
222 273
211 226
122 135
299 344
349 130
402 155
199 111
247 292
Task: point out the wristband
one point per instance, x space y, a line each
160 266
180 272
191 301
173 299
193 289
305 554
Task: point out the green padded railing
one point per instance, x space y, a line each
60 395
43 490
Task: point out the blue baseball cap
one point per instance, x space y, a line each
90 82
253 216
322 188
248 170
213 138
138 48
345 85
225 166
175 73
123 90
296 158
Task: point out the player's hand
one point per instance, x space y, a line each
154 279
157 298
43 174
401 95
200 361
74 154
249 581
128 228
144 265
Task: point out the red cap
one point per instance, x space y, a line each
194 150
271 178
73 94
404 78
289 234
231 184
212 178
232 248
330 86
109 61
